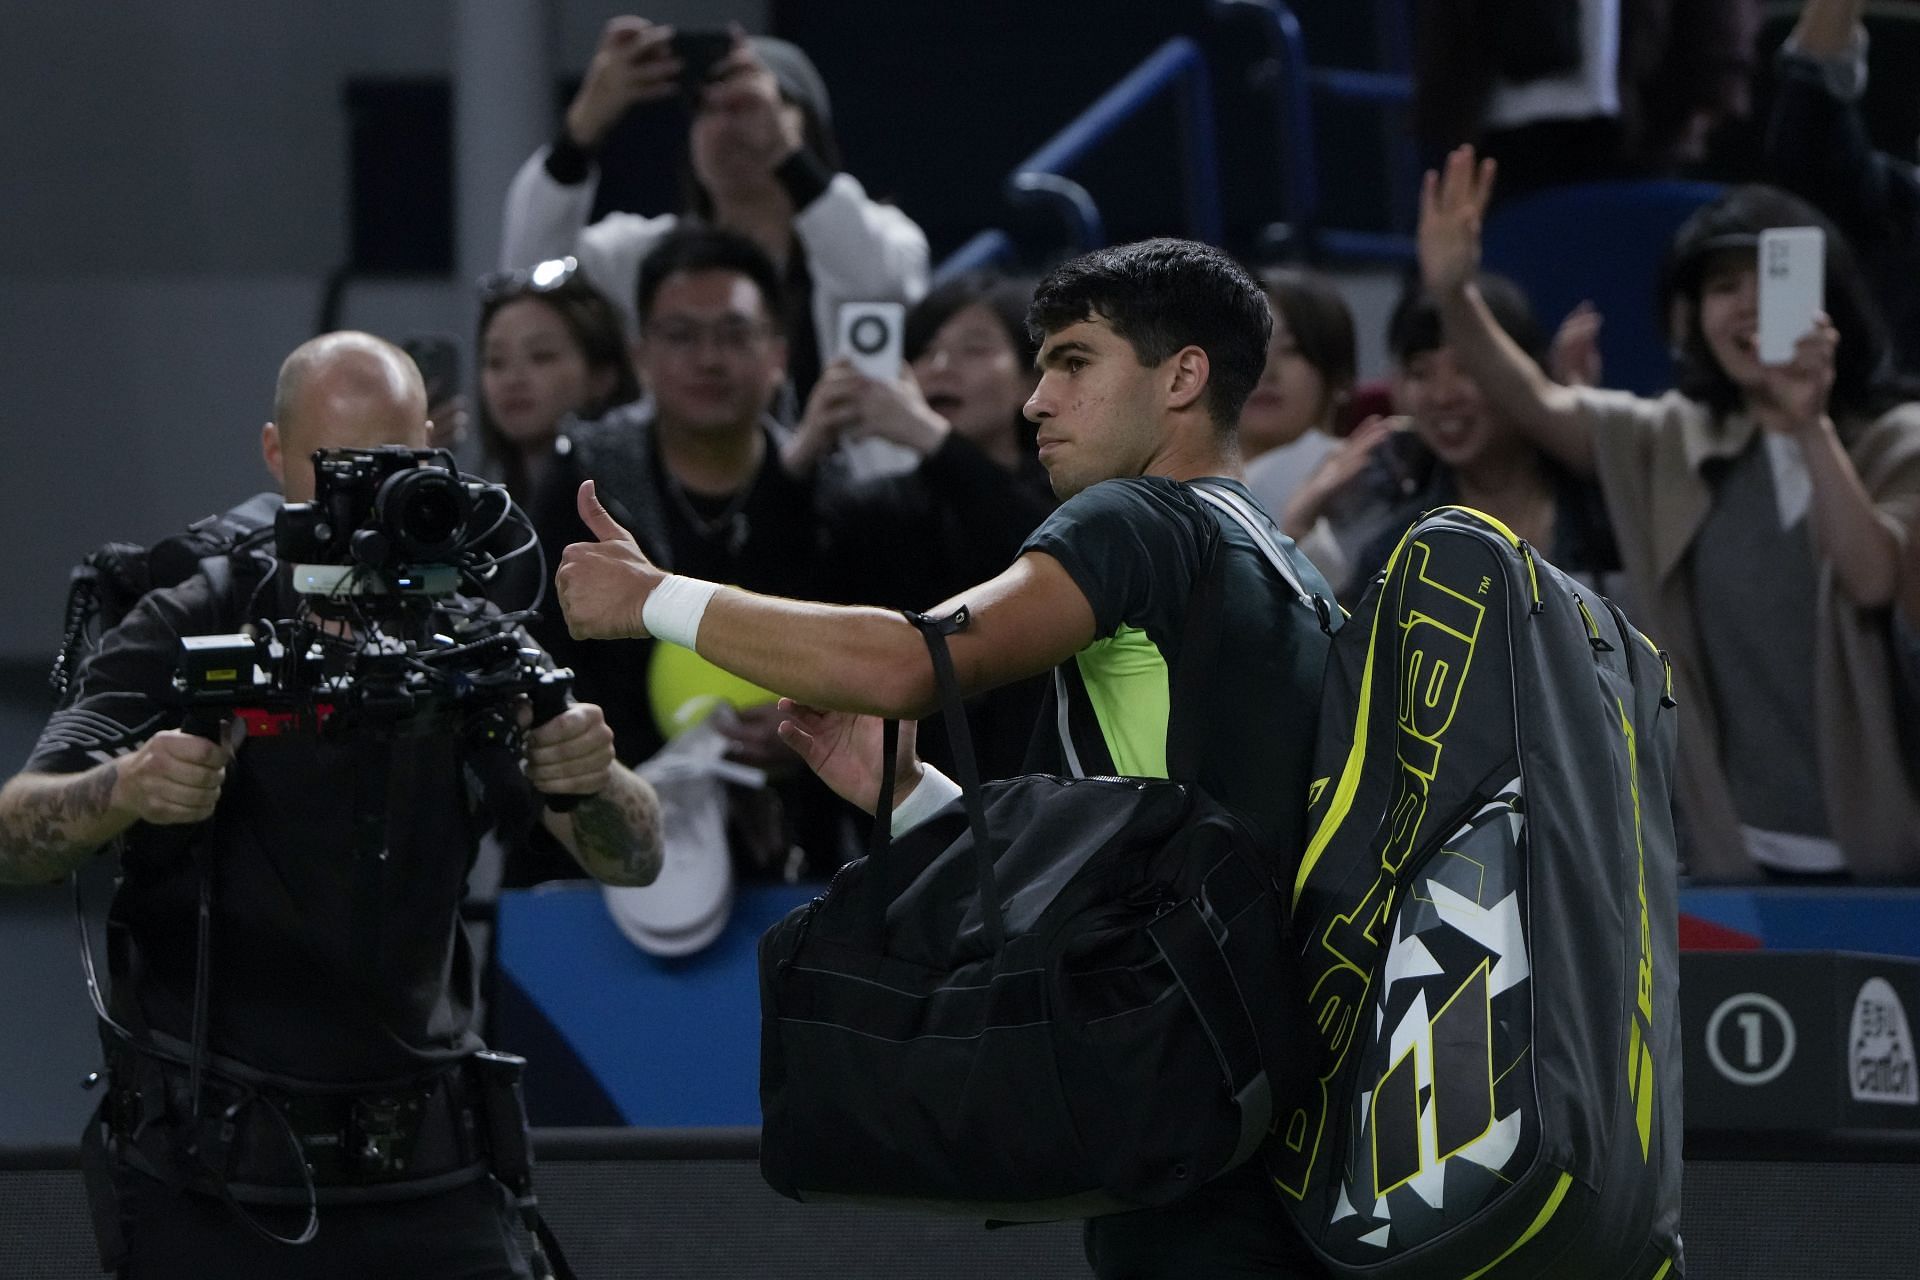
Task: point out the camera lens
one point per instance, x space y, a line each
868 334
424 511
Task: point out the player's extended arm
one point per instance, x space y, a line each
1028 619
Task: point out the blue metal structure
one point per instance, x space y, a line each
1295 85
1179 67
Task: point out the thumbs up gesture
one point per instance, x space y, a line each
603 585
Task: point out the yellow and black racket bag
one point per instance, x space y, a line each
1486 917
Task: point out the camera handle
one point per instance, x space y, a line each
205 722
549 698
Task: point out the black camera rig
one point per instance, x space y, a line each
382 636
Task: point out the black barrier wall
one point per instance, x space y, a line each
677 1207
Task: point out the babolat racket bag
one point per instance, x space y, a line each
1486 918
1060 997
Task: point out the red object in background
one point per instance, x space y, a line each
1704 935
1369 399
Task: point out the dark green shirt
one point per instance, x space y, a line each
1136 548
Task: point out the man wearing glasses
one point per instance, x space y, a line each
694 470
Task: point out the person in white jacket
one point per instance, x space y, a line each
764 164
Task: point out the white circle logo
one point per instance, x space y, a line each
1760 1061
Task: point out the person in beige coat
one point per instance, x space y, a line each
1764 515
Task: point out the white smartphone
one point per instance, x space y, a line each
872 335
1793 288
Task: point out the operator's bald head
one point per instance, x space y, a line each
342 390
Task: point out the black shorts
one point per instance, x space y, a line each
1235 1227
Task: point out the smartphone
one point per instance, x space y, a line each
438 357
698 53
1792 269
872 335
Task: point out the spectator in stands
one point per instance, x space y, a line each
1572 92
551 347
1347 499
694 471
1817 146
1762 512
1471 453
978 493
979 489
1451 446
1289 424
764 165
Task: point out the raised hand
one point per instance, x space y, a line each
1574 358
760 126
603 585
1796 392
832 409
894 409
1336 471
844 750
1453 204
634 63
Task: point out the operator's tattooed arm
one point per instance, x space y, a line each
615 836
52 823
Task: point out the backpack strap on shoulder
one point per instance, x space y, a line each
1260 528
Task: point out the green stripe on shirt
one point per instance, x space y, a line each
1126 680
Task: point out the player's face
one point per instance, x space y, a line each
1095 408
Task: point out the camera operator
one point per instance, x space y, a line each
291 1019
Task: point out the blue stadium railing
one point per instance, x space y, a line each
1179 67
1390 90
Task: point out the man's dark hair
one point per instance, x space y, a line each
1162 295
1415 328
689 249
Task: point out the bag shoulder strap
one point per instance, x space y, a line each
1260 528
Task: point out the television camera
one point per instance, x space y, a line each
382 634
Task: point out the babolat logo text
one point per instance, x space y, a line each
1880 1061
1438 627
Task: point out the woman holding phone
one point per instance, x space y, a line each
1762 512
763 162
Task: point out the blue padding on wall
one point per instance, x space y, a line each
1879 921
673 1042
677 1042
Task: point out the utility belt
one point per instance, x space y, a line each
267 1140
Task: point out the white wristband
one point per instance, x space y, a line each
673 612
930 795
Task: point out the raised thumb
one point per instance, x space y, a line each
595 517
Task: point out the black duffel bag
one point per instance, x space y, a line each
1060 997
